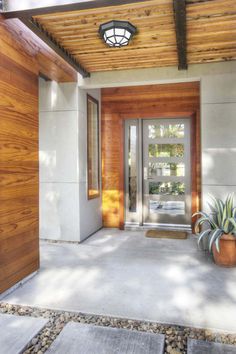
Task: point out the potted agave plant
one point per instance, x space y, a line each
220 230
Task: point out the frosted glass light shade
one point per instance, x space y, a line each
117 33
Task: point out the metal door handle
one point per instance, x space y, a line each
145 173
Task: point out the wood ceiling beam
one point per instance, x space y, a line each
52 43
180 30
12 8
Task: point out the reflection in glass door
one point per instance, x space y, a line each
166 176
132 167
157 172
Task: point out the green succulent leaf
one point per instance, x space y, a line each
232 221
214 235
224 213
200 213
202 235
203 220
218 206
234 213
220 210
217 243
221 220
226 226
230 205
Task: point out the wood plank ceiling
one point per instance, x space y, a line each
211 34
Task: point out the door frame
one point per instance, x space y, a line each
195 150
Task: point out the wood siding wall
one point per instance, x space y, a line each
17 41
152 101
19 170
22 57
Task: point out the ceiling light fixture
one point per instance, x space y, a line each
117 33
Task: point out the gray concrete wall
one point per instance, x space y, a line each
65 212
218 112
153 76
58 152
90 210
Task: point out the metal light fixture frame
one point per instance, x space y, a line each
117 33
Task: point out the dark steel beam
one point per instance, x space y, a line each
44 77
180 30
73 6
53 44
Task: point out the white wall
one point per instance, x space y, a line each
90 210
65 212
155 75
58 146
218 114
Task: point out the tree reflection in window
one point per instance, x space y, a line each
166 150
166 131
132 163
166 169
167 188
93 163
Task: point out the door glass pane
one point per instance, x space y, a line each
166 169
93 165
167 188
132 168
166 131
166 150
167 207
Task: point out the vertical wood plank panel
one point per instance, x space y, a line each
19 168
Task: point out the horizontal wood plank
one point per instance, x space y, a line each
210 28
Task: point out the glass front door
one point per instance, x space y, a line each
157 172
166 171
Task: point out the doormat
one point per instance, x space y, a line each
181 235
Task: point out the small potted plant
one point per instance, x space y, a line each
220 230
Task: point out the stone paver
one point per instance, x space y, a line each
17 331
200 347
88 339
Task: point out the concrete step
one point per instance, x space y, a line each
201 347
16 332
88 339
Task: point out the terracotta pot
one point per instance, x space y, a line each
227 255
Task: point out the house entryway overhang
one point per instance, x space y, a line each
171 33
33 17
60 40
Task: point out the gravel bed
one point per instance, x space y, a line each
175 341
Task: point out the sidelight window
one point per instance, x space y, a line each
93 168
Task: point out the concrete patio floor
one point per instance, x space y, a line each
124 274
